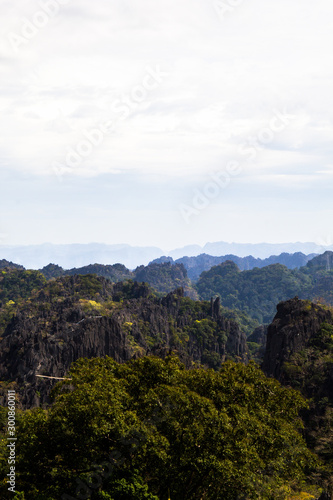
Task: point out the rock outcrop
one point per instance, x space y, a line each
295 323
87 316
299 353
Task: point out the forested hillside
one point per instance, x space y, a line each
9 265
206 422
163 277
257 292
254 293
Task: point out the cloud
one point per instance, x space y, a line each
226 78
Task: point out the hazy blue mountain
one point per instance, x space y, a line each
261 250
189 250
196 265
80 255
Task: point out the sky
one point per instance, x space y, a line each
166 123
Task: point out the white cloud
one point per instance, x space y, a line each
225 79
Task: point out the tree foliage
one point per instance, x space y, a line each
139 429
255 292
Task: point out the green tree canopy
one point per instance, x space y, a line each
136 430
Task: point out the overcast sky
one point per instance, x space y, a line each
166 123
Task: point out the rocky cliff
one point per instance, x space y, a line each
295 324
299 353
87 316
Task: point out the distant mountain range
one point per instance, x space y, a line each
196 265
257 250
79 255
165 273
251 286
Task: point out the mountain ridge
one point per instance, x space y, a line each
203 262
253 292
78 255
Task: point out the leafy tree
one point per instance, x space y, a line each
138 429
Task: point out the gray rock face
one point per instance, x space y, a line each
294 324
25 353
259 335
46 337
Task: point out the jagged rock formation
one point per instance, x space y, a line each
88 316
299 353
25 353
295 323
